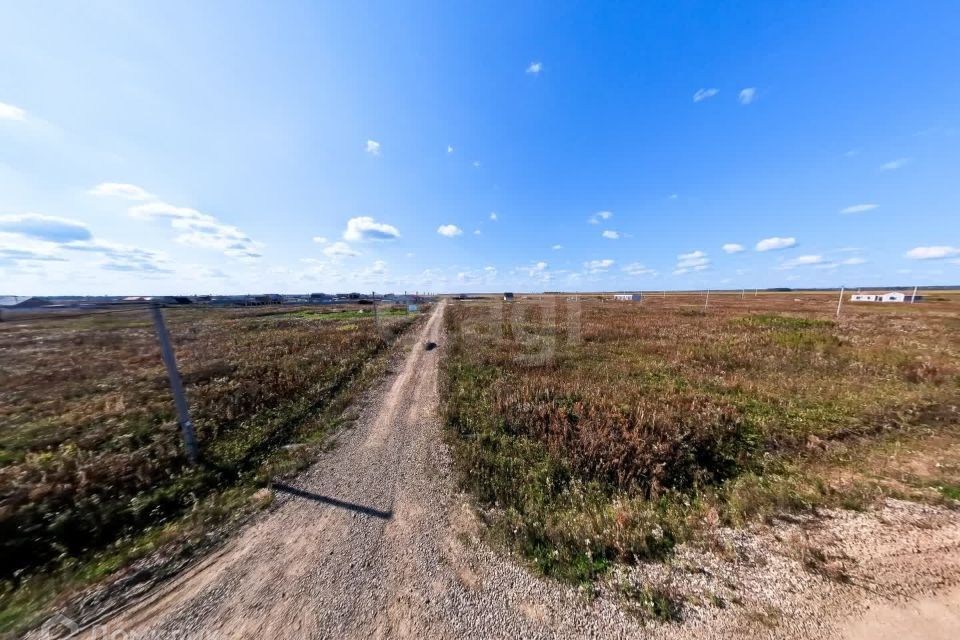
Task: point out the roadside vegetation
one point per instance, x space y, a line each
93 474
593 433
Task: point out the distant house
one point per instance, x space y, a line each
891 296
14 302
626 297
508 297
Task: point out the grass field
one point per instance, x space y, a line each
593 432
92 468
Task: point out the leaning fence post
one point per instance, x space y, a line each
176 385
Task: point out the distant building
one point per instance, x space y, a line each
892 296
14 302
627 297
508 297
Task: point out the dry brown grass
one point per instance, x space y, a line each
595 431
90 452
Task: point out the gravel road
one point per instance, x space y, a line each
374 542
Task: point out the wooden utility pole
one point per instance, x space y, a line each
840 302
176 386
913 298
706 300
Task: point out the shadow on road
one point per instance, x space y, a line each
358 508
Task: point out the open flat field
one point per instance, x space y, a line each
598 432
92 467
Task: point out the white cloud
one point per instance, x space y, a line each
153 210
476 163
732 247
119 257
932 253
365 228
340 250
449 149
493 216
598 266
853 261
747 95
636 269
695 261
10 112
598 216
372 147
893 165
201 230
801 261
46 228
774 243
449 230
673 196
535 68
703 94
611 235
375 272
477 232
121 190
858 208
557 247
320 239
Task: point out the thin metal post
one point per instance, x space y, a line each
742 291
913 298
176 385
706 300
840 302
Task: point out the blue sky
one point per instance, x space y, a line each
186 147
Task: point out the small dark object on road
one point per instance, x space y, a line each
431 346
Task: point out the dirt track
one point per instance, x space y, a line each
373 542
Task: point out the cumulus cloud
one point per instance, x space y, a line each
340 250
121 190
372 147
449 230
200 229
599 216
611 235
10 112
365 228
694 261
557 247
449 149
476 163
747 95
320 239
858 208
893 165
46 228
493 216
775 243
637 269
598 266
732 247
535 68
933 253
704 94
